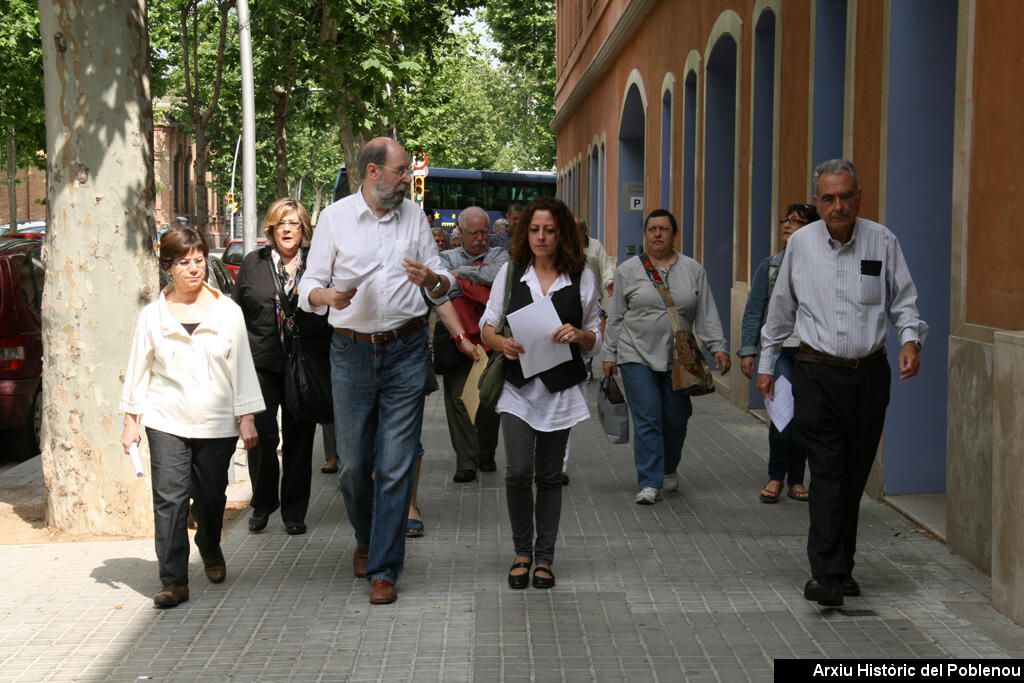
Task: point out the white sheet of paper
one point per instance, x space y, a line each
471 391
532 327
133 453
780 409
347 283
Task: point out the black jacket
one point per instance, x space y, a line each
254 293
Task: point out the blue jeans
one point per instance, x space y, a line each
659 422
378 413
785 457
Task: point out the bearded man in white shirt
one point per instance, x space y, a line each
842 279
370 254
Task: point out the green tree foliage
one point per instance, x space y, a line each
526 34
21 87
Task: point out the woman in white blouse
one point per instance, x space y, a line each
547 262
191 383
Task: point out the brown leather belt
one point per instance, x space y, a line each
809 354
381 337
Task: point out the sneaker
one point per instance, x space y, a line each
648 496
671 482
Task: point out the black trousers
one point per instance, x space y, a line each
839 415
296 466
182 469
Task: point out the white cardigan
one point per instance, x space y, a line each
193 386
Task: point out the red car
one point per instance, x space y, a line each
233 254
21 345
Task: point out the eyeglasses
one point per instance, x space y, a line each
198 262
792 221
289 224
398 172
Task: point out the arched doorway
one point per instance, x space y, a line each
632 129
720 172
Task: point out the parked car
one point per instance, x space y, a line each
21 345
233 254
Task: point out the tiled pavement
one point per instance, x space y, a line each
705 586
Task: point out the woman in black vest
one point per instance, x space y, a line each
547 261
283 260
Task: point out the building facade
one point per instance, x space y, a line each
719 110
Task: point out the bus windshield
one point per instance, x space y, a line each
450 190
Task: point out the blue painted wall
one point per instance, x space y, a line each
922 76
631 169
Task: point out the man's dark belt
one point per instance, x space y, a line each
809 354
381 337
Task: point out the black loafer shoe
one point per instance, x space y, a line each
850 586
519 581
294 528
462 476
488 466
258 521
825 590
543 581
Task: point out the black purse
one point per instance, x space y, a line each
307 375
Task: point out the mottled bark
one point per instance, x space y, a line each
101 268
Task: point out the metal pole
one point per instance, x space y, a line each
248 130
234 163
12 173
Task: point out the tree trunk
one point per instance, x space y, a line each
351 142
281 142
101 267
12 178
201 216
318 202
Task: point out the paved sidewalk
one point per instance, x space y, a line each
705 586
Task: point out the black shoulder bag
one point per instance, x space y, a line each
307 376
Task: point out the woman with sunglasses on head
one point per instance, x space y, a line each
191 383
268 274
784 458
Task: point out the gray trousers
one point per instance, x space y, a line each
533 457
473 443
182 469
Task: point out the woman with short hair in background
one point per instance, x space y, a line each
640 343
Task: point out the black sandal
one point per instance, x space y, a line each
519 581
543 581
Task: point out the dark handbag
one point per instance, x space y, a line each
492 379
612 411
307 375
446 356
690 372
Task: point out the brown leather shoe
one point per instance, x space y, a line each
359 558
171 596
382 592
215 566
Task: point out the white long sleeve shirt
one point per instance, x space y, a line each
193 386
350 238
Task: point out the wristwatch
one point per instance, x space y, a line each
437 287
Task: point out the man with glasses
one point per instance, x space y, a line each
378 239
841 278
475 264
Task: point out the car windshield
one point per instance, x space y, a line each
233 254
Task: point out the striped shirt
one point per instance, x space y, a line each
836 297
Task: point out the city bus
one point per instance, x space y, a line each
449 190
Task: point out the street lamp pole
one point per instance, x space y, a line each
248 130
234 163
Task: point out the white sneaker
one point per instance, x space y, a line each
648 496
671 482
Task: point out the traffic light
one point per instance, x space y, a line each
229 201
417 188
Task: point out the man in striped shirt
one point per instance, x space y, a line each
841 279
